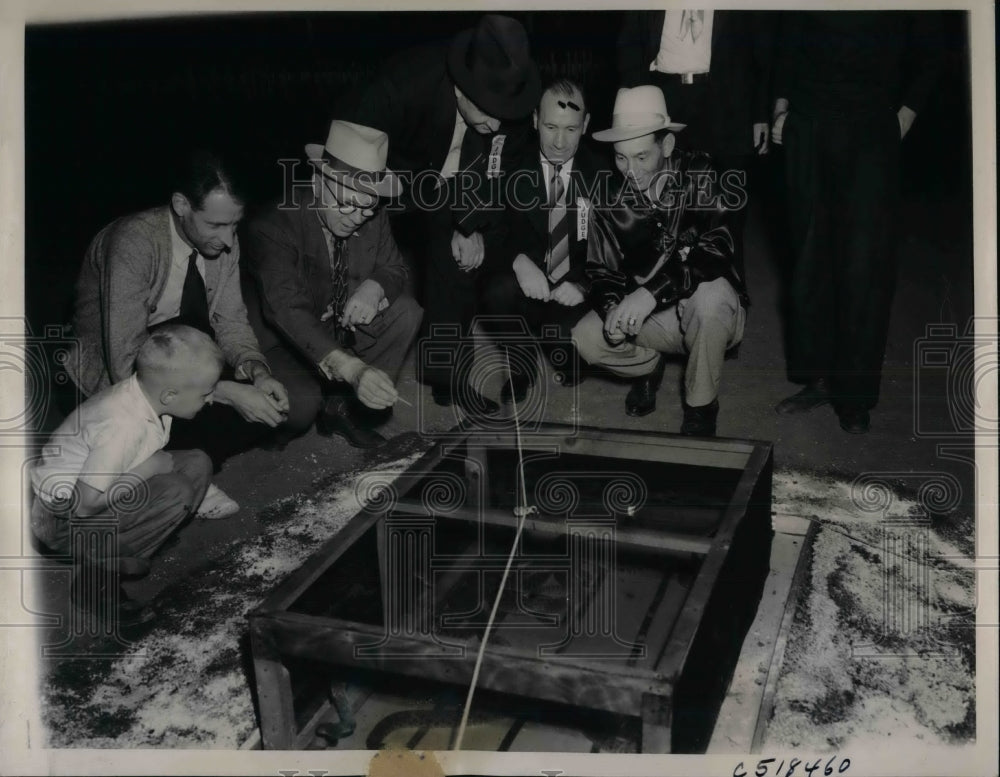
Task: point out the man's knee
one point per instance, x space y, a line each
303 407
174 489
713 300
406 314
588 337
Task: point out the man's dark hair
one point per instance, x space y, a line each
568 88
202 173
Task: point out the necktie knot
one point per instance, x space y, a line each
557 189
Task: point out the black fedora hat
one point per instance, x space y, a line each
492 66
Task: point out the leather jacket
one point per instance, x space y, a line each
668 246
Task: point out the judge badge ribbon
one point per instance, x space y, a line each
582 214
493 168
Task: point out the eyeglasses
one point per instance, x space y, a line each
346 208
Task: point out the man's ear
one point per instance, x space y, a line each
180 204
534 118
669 140
167 396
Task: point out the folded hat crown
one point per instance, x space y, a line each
364 148
637 106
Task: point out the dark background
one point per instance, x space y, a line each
109 107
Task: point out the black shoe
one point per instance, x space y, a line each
338 417
855 420
700 421
91 591
812 396
641 399
467 398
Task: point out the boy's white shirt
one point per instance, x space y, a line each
108 435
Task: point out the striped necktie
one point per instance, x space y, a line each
557 260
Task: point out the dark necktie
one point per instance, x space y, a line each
194 299
556 263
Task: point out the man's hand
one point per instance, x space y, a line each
760 137
530 278
468 251
273 388
612 330
631 313
363 305
778 119
373 387
250 402
568 294
906 117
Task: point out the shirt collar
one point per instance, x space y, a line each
179 250
141 401
567 166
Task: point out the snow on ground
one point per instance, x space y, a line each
881 648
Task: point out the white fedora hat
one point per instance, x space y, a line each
638 111
354 156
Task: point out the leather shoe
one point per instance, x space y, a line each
855 420
467 398
337 417
700 421
641 398
809 398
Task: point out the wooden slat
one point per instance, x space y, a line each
610 686
664 619
274 694
633 539
698 453
734 729
680 641
778 656
293 586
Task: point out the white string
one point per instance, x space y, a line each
503 581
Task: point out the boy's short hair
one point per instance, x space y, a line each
176 347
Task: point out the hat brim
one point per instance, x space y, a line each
616 134
388 185
498 106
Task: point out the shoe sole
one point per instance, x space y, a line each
638 413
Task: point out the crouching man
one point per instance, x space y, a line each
660 266
329 309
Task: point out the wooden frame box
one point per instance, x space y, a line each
639 570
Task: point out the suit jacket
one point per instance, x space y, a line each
289 262
667 247
852 64
122 279
528 227
739 74
413 101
